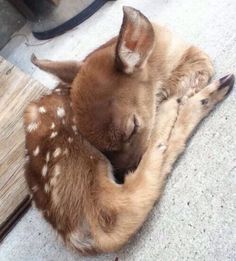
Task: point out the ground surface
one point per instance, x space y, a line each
10 20
196 217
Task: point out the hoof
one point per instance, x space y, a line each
227 80
34 59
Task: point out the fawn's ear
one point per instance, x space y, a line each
135 41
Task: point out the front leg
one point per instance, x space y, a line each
191 112
147 177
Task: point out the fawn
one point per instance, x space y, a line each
130 106
116 89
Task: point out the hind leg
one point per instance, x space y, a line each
189 77
191 112
66 70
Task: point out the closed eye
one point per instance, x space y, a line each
135 128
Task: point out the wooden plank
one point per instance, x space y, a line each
8 225
16 90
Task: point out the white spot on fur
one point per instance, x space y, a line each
60 112
52 126
57 152
46 188
55 197
129 57
42 110
70 140
44 170
65 152
35 188
36 151
56 173
57 170
74 120
63 122
32 126
33 114
53 181
53 134
47 156
75 129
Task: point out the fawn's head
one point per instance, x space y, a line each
113 93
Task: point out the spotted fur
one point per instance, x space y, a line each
111 110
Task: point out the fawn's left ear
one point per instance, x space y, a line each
135 41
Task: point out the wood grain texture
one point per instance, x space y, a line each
16 90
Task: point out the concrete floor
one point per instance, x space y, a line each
196 217
10 21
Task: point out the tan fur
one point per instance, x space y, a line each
115 107
112 105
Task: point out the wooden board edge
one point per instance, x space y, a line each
16 215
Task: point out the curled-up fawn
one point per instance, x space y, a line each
116 88
78 137
71 181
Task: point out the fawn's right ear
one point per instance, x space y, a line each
135 41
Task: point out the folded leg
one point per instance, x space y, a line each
191 112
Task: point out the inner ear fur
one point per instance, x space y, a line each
135 41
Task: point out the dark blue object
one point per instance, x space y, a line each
71 23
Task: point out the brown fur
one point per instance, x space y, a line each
114 108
